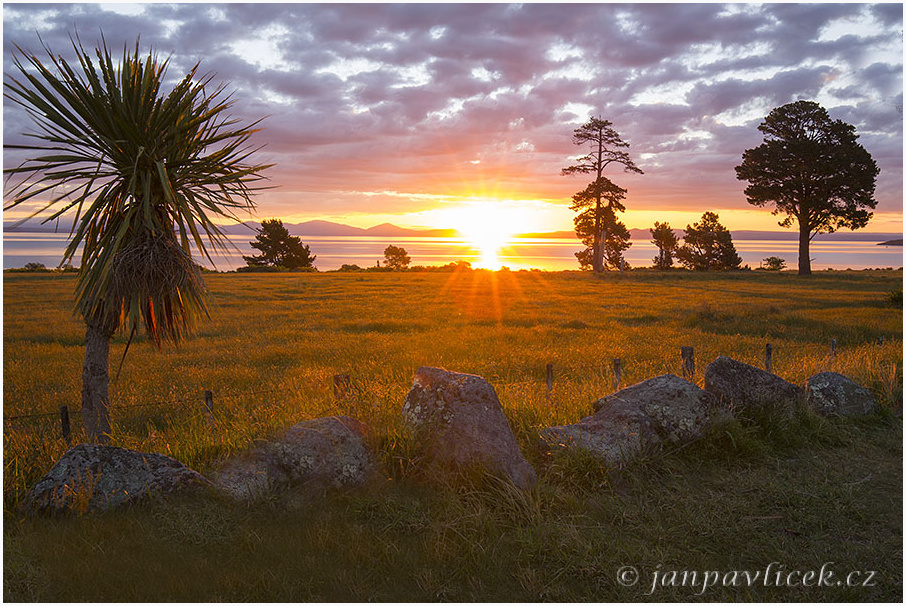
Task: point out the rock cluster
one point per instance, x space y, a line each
459 423
668 409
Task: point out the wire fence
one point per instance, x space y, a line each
342 389
185 403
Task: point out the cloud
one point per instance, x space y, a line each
445 98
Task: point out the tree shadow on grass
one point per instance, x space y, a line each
778 325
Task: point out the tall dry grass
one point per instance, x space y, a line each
275 342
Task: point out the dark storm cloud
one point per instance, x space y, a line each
380 97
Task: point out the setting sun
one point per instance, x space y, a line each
488 225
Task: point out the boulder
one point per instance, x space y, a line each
95 478
830 393
741 386
459 422
328 452
665 409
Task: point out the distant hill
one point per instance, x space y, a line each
565 235
389 230
309 228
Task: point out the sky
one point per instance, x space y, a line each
439 115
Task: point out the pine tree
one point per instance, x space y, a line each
812 170
278 248
708 245
604 145
667 243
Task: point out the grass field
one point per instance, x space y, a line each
801 494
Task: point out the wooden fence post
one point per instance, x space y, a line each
617 373
688 362
209 405
767 357
340 386
834 347
64 421
549 377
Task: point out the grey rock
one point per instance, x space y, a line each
615 434
830 393
96 478
741 386
460 422
328 452
665 409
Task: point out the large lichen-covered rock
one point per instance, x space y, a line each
328 452
665 409
460 423
830 393
741 386
95 478
614 434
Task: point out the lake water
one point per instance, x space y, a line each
20 248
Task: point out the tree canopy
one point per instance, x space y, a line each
605 148
278 248
773 263
813 171
615 244
396 257
666 241
708 245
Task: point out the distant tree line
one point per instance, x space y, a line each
281 251
707 245
810 168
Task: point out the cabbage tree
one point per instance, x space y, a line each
143 173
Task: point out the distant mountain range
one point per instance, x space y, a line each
328 228
388 230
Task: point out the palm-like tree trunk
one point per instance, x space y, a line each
95 383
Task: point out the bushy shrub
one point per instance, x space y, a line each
773 264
